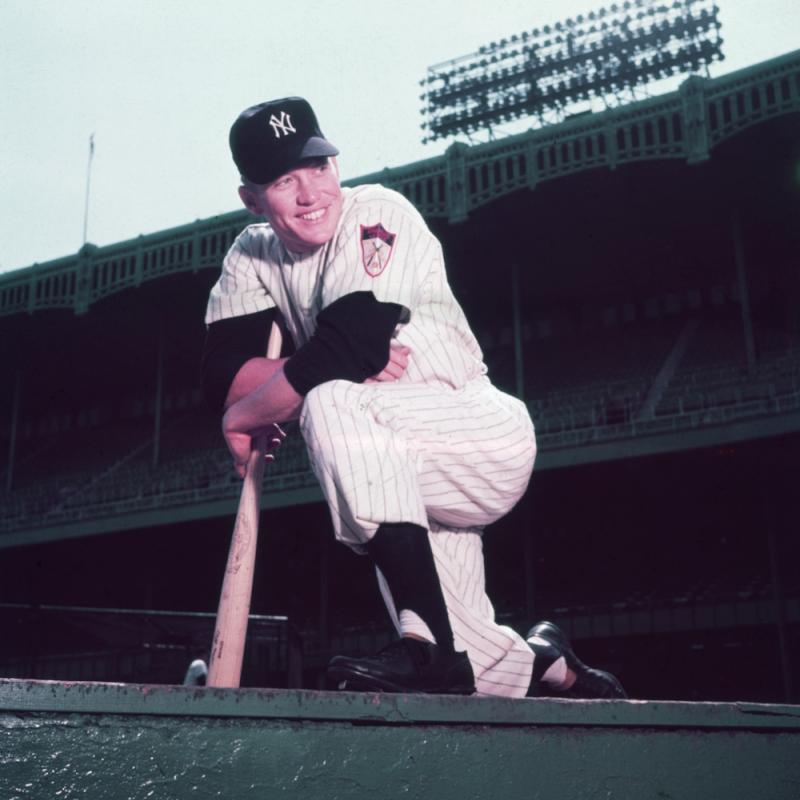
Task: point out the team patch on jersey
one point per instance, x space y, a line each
376 248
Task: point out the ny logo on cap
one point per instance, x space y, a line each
282 126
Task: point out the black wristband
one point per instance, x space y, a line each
351 342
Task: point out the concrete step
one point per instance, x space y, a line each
110 741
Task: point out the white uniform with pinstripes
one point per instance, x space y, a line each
441 447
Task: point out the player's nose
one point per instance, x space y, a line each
307 193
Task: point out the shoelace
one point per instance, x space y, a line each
391 650
417 652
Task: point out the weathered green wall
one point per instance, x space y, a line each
104 741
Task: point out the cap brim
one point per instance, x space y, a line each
316 147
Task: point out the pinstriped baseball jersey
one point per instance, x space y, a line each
441 448
381 245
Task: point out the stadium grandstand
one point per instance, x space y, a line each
633 274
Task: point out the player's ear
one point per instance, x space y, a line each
251 203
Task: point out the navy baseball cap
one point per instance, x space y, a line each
271 138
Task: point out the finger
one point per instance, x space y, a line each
394 371
399 356
398 364
273 434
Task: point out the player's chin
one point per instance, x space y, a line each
313 237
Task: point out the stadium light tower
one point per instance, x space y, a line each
604 53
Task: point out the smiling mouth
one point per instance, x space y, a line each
313 216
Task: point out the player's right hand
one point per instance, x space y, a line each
240 443
396 365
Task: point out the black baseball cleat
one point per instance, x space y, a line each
590 684
407 665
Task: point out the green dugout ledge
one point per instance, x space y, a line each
128 741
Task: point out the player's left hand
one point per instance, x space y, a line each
396 365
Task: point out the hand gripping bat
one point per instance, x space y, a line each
230 632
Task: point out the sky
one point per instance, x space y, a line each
159 82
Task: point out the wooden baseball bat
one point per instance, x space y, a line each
230 632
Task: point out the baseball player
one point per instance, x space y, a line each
416 451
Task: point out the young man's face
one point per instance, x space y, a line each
302 205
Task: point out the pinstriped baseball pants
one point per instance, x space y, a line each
451 461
